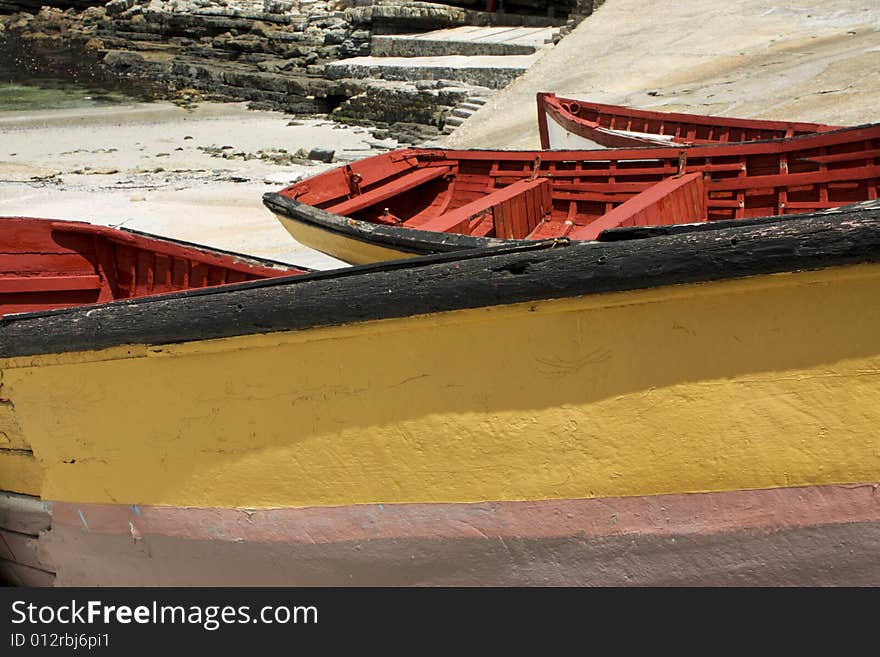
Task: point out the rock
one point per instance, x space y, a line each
118 6
122 60
321 154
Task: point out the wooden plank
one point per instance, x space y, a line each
677 200
49 283
791 179
843 157
20 575
20 472
22 549
24 263
451 220
387 190
455 281
23 514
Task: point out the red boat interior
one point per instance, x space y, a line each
541 195
681 128
47 264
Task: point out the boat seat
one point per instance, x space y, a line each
678 200
21 284
386 190
516 210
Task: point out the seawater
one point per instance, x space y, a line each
17 96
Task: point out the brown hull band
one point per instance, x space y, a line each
810 535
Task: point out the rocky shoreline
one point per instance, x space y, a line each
276 54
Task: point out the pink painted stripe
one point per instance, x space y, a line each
660 515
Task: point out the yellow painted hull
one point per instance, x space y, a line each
337 245
762 382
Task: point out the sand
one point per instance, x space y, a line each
143 166
809 60
134 165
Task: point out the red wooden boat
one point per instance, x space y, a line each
566 123
47 264
418 201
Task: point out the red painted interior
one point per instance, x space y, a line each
598 122
546 194
46 264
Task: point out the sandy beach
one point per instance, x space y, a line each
195 175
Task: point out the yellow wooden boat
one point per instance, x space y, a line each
681 405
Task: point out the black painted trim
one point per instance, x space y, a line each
265 262
406 240
489 277
644 232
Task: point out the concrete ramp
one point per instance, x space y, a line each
818 60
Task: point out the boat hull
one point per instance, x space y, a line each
566 123
825 535
506 419
339 245
424 201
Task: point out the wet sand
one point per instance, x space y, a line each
194 174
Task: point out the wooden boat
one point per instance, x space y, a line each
660 410
420 201
566 123
47 264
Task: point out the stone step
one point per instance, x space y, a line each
401 46
471 106
466 40
489 71
453 121
477 100
461 112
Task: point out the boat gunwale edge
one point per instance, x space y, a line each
473 279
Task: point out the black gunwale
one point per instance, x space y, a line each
487 277
406 240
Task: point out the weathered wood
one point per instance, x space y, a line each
404 183
741 180
675 200
441 283
22 549
608 124
23 514
47 264
18 574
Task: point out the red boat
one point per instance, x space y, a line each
47 264
418 201
566 123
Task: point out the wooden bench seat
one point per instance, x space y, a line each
387 190
20 284
678 200
514 211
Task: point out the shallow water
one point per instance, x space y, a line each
55 94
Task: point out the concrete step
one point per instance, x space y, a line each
492 71
466 40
